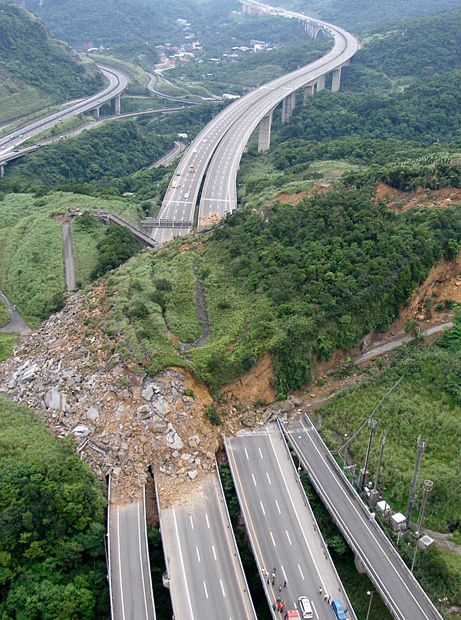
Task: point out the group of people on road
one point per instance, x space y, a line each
279 605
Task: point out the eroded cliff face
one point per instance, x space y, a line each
123 421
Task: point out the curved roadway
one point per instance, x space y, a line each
118 81
215 153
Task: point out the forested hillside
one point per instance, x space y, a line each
297 282
35 69
111 23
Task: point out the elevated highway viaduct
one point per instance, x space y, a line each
213 158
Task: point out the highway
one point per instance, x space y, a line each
282 529
400 591
205 574
129 568
215 153
118 81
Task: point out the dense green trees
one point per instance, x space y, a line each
116 247
103 153
52 562
333 268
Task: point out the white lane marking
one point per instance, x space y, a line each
120 563
262 507
141 563
288 536
301 572
272 538
198 553
268 478
315 611
181 559
254 480
246 454
283 571
278 507
222 588
214 553
191 522
260 453
364 523
207 521
297 516
206 591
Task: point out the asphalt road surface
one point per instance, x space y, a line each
282 528
206 578
131 586
69 266
398 588
17 324
117 83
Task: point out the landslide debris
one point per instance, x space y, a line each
122 419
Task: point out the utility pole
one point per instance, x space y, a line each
421 446
375 493
427 488
364 473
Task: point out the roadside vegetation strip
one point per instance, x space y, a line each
5 316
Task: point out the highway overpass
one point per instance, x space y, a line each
213 158
130 581
206 578
398 588
282 528
118 82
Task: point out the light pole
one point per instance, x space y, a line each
428 484
370 595
364 473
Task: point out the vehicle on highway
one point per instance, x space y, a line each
195 151
339 610
173 184
192 168
186 195
291 614
305 607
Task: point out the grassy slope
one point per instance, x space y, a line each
426 403
31 263
36 70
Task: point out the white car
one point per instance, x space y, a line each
305 607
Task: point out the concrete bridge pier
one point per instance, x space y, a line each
336 80
264 138
2 171
308 92
117 103
96 113
293 101
320 83
287 109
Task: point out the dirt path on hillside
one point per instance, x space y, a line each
202 314
69 265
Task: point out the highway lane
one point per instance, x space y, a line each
281 526
219 195
118 81
400 591
130 580
206 577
